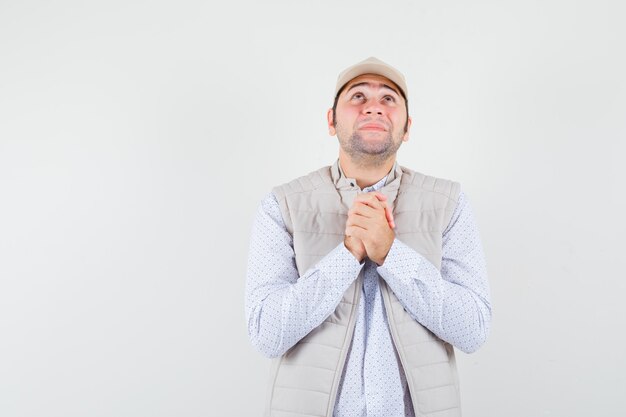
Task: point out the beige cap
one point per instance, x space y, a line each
372 66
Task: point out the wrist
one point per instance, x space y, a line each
380 263
358 256
381 259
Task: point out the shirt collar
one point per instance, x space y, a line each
343 183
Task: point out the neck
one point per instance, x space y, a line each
365 172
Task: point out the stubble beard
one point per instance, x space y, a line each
366 153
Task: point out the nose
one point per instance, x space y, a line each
372 107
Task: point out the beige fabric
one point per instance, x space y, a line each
372 65
305 380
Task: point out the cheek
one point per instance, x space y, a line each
398 119
347 115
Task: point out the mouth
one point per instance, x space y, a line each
373 126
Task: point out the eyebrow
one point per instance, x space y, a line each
370 84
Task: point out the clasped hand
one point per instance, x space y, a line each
369 228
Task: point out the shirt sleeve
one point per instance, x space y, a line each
281 306
455 303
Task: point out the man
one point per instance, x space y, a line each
363 275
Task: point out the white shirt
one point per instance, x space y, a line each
283 307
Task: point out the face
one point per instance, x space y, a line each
370 119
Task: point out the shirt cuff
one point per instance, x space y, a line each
340 265
400 260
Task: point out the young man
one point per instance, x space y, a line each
363 275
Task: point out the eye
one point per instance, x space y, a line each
358 96
389 99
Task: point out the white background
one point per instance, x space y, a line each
137 139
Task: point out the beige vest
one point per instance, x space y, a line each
305 380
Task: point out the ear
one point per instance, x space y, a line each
329 119
405 137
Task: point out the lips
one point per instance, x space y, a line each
373 126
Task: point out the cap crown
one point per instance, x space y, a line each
372 65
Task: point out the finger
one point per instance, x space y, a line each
390 219
388 209
363 209
370 199
359 221
356 231
377 200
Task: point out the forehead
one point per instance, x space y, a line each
376 81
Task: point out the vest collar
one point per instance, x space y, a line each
344 184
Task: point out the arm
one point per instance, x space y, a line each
453 304
281 306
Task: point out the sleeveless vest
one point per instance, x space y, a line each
305 380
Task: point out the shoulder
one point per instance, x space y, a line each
294 192
418 182
428 193
269 204
312 181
